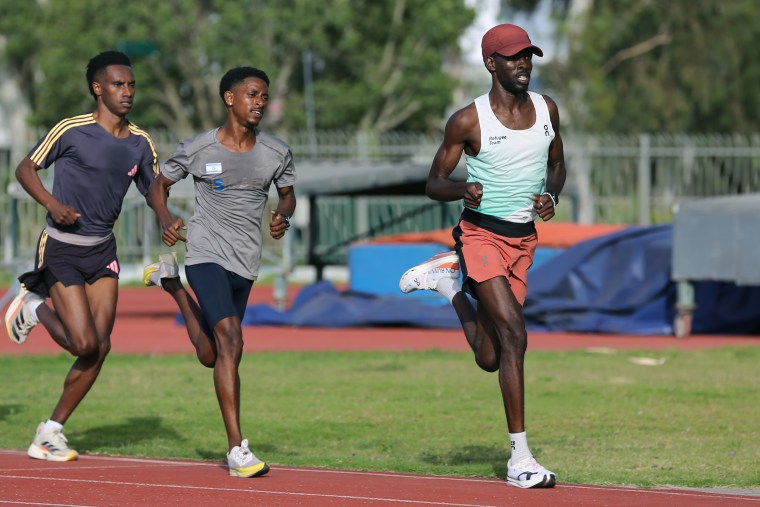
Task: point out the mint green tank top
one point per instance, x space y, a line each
511 164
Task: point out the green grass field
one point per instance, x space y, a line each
592 418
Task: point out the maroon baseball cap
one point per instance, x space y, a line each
507 40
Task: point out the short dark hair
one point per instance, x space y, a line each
234 77
102 60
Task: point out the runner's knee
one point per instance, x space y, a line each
229 339
84 348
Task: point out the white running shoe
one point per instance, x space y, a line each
51 446
529 474
19 319
425 276
166 267
243 463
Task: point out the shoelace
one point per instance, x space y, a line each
59 440
529 464
241 453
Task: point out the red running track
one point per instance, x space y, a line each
113 481
145 324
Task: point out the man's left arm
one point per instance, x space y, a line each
281 216
555 170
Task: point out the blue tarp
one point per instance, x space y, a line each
617 283
322 305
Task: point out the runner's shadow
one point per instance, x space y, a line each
6 410
207 455
217 458
133 430
496 457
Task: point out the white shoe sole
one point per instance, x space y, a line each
15 307
419 269
10 315
252 471
539 481
166 267
37 452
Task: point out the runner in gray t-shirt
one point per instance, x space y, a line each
231 191
233 168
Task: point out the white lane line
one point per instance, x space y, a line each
703 494
249 491
17 502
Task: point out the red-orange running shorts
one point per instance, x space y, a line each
484 255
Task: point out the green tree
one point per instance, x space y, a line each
643 66
379 62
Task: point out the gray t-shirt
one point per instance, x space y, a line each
231 191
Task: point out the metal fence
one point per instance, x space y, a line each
363 146
611 179
640 179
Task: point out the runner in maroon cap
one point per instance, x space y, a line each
515 172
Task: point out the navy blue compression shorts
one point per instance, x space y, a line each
220 293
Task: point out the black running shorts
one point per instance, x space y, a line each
69 264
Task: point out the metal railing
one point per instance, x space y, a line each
640 179
363 146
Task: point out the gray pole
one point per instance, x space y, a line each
645 180
307 59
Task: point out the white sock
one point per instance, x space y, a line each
51 425
33 309
448 287
520 450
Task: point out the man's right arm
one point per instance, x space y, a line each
460 131
26 174
157 197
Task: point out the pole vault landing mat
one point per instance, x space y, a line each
113 481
